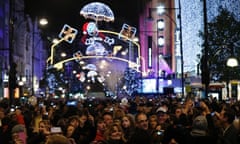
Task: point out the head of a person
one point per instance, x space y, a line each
19 134
108 118
162 114
141 121
227 115
153 121
127 121
199 126
101 126
74 120
114 132
118 114
70 130
83 117
178 112
43 126
57 139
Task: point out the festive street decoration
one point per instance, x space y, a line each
127 32
97 11
68 33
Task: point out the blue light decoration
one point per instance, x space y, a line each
68 33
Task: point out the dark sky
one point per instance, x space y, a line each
60 12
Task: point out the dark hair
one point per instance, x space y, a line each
107 113
230 114
138 114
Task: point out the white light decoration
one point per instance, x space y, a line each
97 11
43 21
63 54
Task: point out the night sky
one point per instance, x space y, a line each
60 12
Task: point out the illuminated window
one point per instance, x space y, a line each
149 57
160 9
160 24
149 51
160 41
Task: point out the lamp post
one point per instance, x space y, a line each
36 23
231 62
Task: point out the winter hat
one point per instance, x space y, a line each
18 128
162 109
200 123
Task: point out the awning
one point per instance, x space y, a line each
216 85
211 85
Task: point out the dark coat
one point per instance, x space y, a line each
230 136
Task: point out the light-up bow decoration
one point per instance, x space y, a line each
68 33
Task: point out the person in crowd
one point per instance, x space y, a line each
40 136
163 117
69 133
9 120
5 129
57 139
85 130
128 125
108 118
118 113
141 134
114 135
199 133
155 129
153 122
100 129
19 134
229 134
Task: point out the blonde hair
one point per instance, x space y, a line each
110 130
57 139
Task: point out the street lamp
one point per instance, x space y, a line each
36 23
232 62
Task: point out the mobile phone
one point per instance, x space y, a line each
71 103
159 132
213 113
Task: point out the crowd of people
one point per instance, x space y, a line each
139 120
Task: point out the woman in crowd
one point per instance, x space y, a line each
128 125
40 136
69 133
114 135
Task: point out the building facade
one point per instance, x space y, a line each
169 30
21 32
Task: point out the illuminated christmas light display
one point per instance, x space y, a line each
100 49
